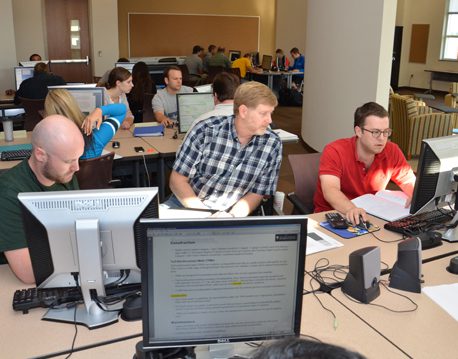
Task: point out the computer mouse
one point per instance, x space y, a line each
453 266
116 144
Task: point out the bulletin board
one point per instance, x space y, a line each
419 43
153 34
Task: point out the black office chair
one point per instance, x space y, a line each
96 173
33 112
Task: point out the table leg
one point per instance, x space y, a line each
161 178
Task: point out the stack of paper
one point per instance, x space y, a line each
286 136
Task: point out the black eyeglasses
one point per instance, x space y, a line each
377 133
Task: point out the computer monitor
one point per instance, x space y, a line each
127 65
22 73
437 166
93 235
32 63
266 62
204 88
255 58
222 280
88 96
234 55
192 105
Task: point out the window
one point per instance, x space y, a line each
450 36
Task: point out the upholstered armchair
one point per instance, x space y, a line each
412 123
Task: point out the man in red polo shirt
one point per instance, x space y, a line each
365 163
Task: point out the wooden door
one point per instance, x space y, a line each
68 38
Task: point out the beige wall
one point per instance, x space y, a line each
8 52
291 25
29 29
263 8
423 12
104 30
348 64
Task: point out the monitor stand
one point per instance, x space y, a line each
221 350
451 235
92 319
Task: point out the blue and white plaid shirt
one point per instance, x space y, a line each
220 170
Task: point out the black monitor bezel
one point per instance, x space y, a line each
196 223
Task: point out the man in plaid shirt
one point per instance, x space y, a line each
229 163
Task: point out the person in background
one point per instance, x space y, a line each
165 101
219 59
211 52
143 84
365 163
223 87
35 57
194 63
244 64
298 66
106 119
118 85
295 348
280 62
57 145
36 87
104 79
229 163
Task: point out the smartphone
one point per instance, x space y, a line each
139 149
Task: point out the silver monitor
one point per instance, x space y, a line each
88 96
190 106
92 235
22 73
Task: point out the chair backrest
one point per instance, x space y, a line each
213 71
236 71
148 114
96 173
305 171
32 108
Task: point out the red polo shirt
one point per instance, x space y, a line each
339 159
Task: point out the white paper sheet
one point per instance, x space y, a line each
318 241
445 296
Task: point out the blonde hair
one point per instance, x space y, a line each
61 102
251 94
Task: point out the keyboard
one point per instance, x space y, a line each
25 299
15 155
421 222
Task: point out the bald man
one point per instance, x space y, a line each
57 145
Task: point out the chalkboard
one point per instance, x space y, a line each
175 34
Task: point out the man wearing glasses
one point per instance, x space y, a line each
364 163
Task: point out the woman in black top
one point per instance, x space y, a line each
143 84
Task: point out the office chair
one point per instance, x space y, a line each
236 71
96 173
213 71
32 109
305 171
188 80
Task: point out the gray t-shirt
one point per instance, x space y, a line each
194 64
167 103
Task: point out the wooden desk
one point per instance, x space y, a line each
389 251
26 335
448 76
6 165
429 332
6 99
351 332
167 147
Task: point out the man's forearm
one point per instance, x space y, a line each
338 200
184 192
246 205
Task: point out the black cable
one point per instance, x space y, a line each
382 240
146 170
384 307
75 304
